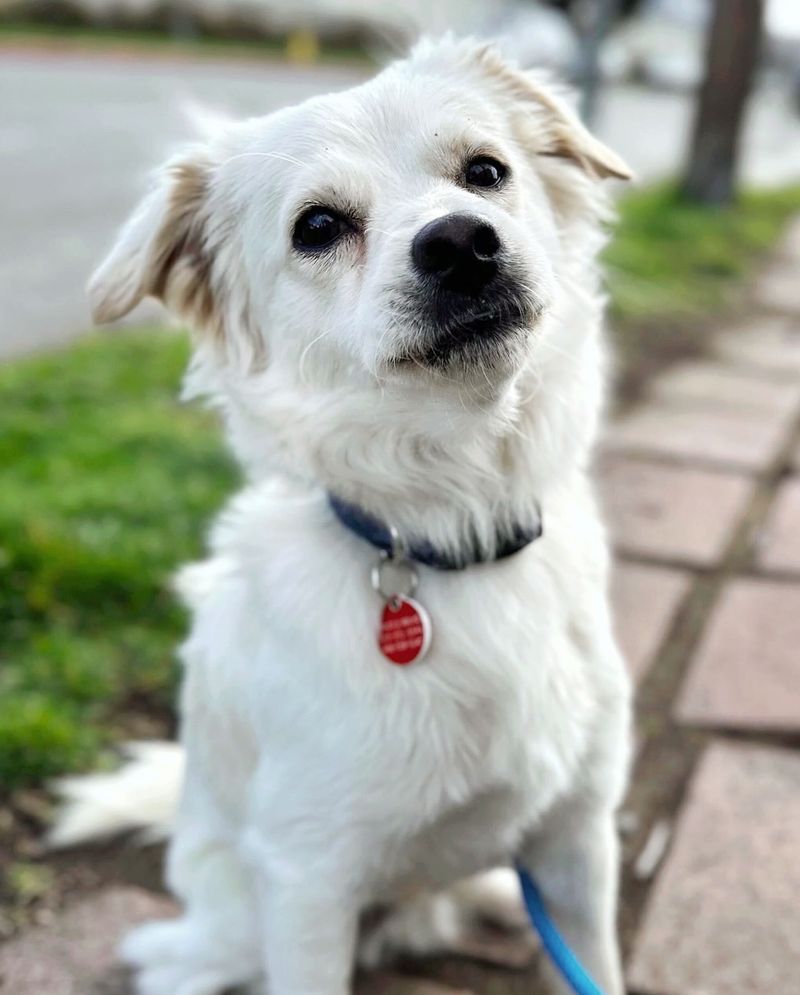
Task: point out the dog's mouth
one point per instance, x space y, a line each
469 333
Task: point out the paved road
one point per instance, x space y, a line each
79 134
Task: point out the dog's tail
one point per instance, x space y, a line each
142 795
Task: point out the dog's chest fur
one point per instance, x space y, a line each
436 769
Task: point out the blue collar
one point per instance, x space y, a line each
377 533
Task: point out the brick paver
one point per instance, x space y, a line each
771 345
679 514
779 543
645 600
745 671
729 388
724 916
701 434
776 287
76 953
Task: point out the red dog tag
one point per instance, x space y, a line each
405 632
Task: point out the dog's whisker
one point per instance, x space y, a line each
305 352
282 156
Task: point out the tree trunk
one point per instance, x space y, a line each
732 53
592 19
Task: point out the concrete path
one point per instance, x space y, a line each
702 488
80 133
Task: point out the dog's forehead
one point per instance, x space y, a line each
379 143
397 116
401 103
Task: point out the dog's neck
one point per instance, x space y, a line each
452 469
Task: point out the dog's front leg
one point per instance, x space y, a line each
309 922
575 862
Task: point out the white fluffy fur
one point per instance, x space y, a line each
319 779
141 795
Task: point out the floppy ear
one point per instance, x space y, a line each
568 138
561 133
162 251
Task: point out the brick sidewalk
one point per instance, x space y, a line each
702 488
702 485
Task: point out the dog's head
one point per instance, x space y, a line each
407 228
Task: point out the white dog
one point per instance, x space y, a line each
397 309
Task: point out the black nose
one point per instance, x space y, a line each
459 250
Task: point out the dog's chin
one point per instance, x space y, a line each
492 341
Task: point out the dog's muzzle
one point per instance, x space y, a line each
467 299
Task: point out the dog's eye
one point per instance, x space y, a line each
485 172
318 227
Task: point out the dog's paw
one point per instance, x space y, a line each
421 926
481 919
179 957
493 897
154 944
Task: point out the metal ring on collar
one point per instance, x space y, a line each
394 578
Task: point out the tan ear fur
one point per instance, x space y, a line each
181 259
162 252
572 140
564 135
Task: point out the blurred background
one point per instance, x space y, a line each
107 484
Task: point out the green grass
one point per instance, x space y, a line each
672 265
107 484
670 257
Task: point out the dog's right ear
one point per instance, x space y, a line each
163 251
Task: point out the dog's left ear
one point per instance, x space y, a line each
566 137
549 124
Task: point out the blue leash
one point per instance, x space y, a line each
553 942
